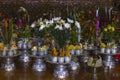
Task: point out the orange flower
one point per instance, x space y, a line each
6 23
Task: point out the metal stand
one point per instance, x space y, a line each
8 65
39 65
61 71
109 61
24 57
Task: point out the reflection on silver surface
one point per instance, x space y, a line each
61 71
39 65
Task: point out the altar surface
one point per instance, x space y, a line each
24 71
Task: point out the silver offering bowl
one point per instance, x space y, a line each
74 64
109 61
61 71
26 46
39 64
8 63
84 56
24 56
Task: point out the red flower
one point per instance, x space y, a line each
20 22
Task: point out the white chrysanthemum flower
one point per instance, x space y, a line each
51 21
32 25
41 23
42 27
56 18
63 21
39 20
66 25
57 26
47 22
60 27
22 9
70 20
77 24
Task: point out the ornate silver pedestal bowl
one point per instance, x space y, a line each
24 45
74 64
24 56
61 71
39 64
8 63
109 61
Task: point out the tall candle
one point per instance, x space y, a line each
97 22
97 26
110 13
79 31
97 12
106 11
28 18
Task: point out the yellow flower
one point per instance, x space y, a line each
6 23
102 45
1 45
109 27
54 52
105 29
77 47
112 29
71 47
68 52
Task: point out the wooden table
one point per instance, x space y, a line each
25 72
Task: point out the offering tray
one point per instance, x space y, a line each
18 53
89 49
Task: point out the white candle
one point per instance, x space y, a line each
79 37
79 30
28 18
110 13
97 12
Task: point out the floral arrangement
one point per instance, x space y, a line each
22 23
109 32
41 27
7 44
59 29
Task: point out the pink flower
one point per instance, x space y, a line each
19 22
